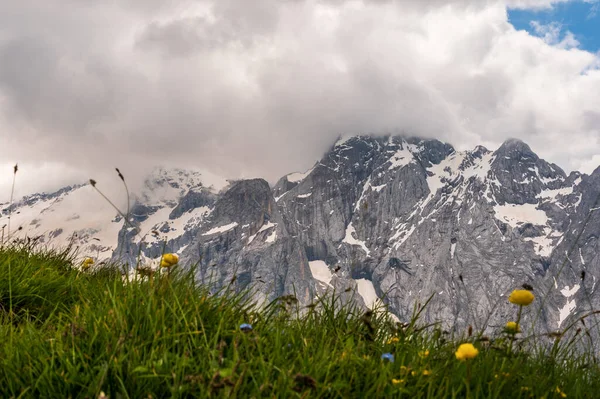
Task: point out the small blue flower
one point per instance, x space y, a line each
245 327
388 356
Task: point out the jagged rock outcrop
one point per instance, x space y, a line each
245 240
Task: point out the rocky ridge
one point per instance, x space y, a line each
391 219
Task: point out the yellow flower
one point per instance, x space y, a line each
87 263
521 297
426 372
393 340
512 327
169 260
397 381
424 353
466 351
561 393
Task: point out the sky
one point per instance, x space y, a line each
264 87
574 23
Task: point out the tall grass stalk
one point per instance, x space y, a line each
10 297
12 195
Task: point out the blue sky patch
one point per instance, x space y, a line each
579 17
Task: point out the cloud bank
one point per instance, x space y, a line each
262 88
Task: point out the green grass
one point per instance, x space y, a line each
72 334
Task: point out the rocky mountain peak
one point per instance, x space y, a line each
520 175
515 146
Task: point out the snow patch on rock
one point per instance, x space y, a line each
321 272
350 239
401 158
272 237
221 229
570 306
367 291
569 292
515 215
565 311
297 176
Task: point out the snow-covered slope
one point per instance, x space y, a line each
75 216
78 215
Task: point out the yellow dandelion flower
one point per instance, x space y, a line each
87 263
169 260
424 353
466 351
393 340
521 297
413 373
512 327
396 381
561 393
426 372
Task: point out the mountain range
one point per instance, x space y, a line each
393 220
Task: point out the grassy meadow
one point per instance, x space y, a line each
69 333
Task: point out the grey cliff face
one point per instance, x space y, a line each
245 241
409 218
574 269
391 219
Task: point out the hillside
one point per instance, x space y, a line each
78 334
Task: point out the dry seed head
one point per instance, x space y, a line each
120 174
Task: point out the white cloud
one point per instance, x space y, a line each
593 9
264 87
589 165
534 4
551 34
36 177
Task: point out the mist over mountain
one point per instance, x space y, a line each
393 219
